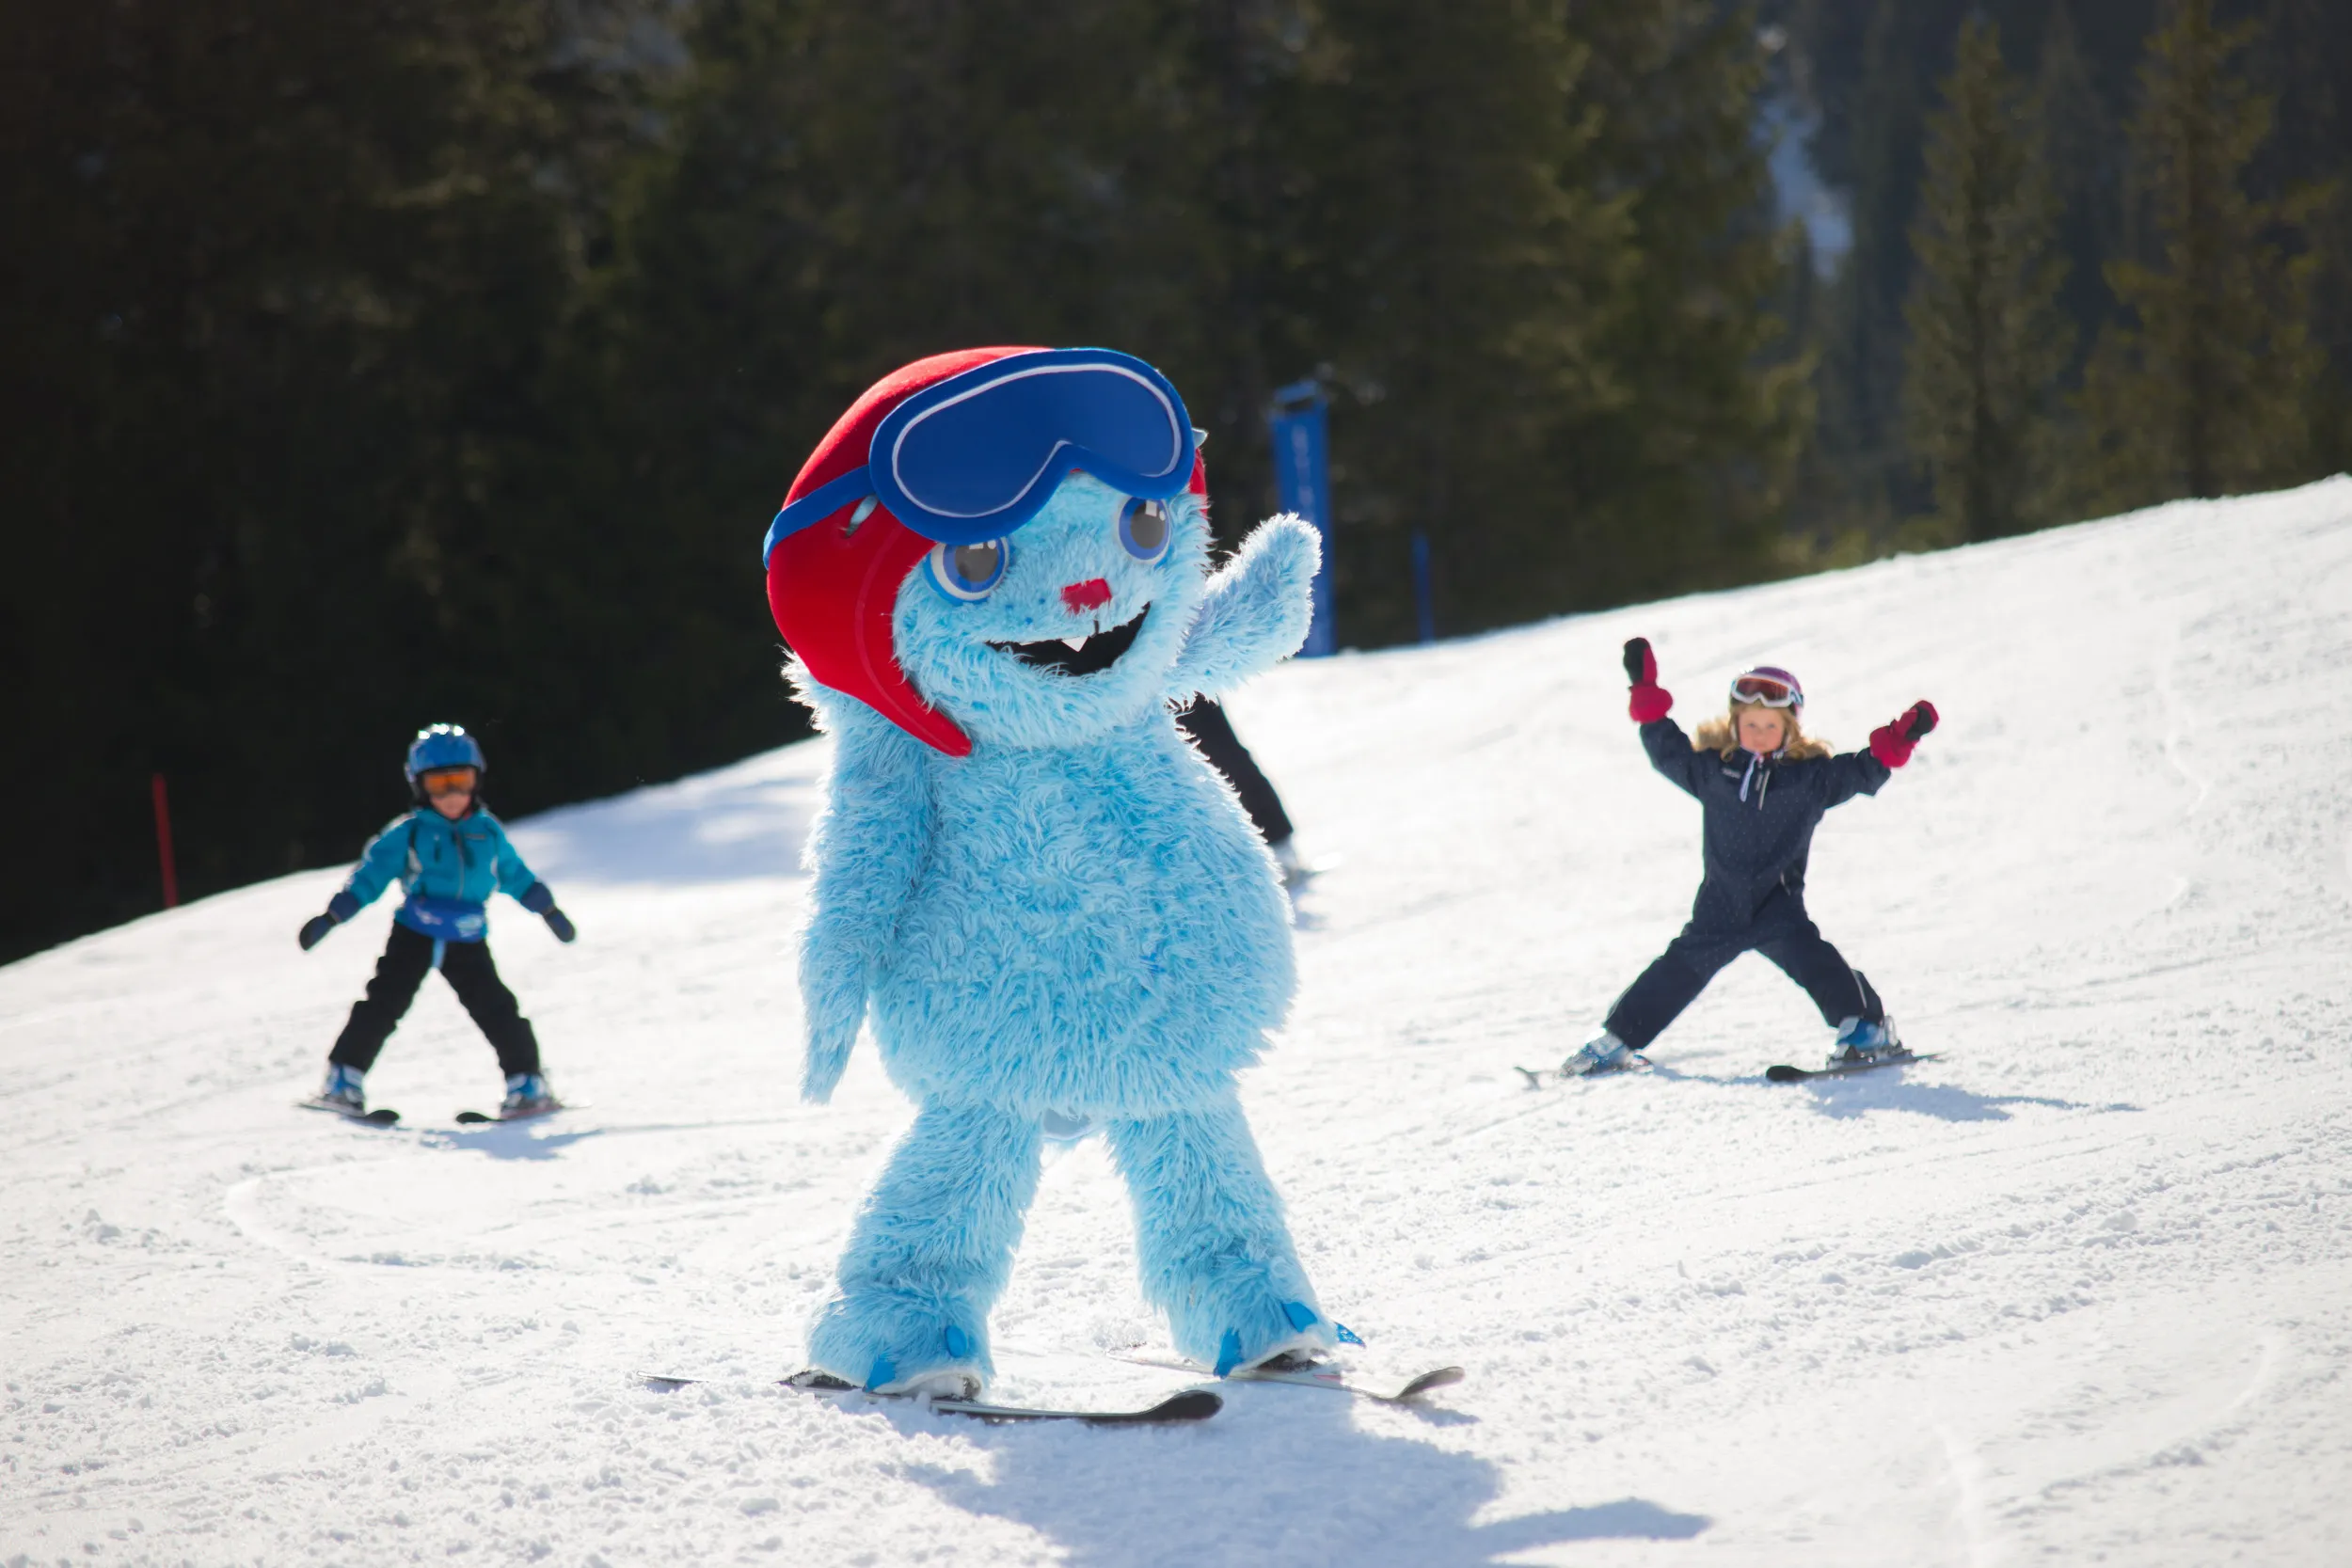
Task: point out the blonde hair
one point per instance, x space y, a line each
1723 735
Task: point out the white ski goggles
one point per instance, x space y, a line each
1772 688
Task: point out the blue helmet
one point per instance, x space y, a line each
444 745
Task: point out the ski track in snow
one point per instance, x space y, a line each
2081 1290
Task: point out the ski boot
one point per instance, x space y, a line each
1863 1044
527 1095
1603 1052
343 1092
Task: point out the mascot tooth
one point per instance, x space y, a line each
993 574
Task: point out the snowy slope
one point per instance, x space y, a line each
2082 1289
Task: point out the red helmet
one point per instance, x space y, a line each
832 587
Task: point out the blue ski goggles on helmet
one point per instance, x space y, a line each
975 456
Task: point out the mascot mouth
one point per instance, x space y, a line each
1083 656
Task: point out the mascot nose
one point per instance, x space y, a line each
1093 593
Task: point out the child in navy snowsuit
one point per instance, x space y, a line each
449 855
1763 786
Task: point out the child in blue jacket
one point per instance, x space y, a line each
449 855
1763 786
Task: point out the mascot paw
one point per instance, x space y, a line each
828 1059
1277 562
832 994
1256 610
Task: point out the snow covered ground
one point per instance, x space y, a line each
2080 1292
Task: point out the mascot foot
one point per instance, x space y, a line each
891 1345
953 1383
1309 1337
1214 1253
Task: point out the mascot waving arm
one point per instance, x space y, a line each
1255 612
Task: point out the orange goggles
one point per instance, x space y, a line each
447 781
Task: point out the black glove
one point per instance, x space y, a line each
314 930
559 923
1641 665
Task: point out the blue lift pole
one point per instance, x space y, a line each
1301 429
1424 599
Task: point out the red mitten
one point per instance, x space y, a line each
1891 743
1649 700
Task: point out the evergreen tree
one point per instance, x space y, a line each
277 288
1861 66
1864 358
1468 259
2083 140
1987 339
2206 389
1691 470
1544 229
841 187
1542 321
411 359
2306 52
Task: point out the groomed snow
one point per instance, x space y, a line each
2080 1292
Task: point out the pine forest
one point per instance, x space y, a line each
393 361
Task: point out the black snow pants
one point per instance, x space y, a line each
1213 736
466 967
1782 931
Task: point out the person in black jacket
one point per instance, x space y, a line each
1763 786
1205 723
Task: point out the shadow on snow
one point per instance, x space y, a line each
509 1140
1887 1089
1283 1476
1847 1098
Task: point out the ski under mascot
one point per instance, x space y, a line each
995 575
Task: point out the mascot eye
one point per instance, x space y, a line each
967 573
1143 530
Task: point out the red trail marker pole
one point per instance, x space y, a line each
163 844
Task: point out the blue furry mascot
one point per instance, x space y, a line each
995 573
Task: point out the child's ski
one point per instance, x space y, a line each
1784 1074
1322 1375
476 1118
1193 1404
1336 1379
1542 1077
380 1117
